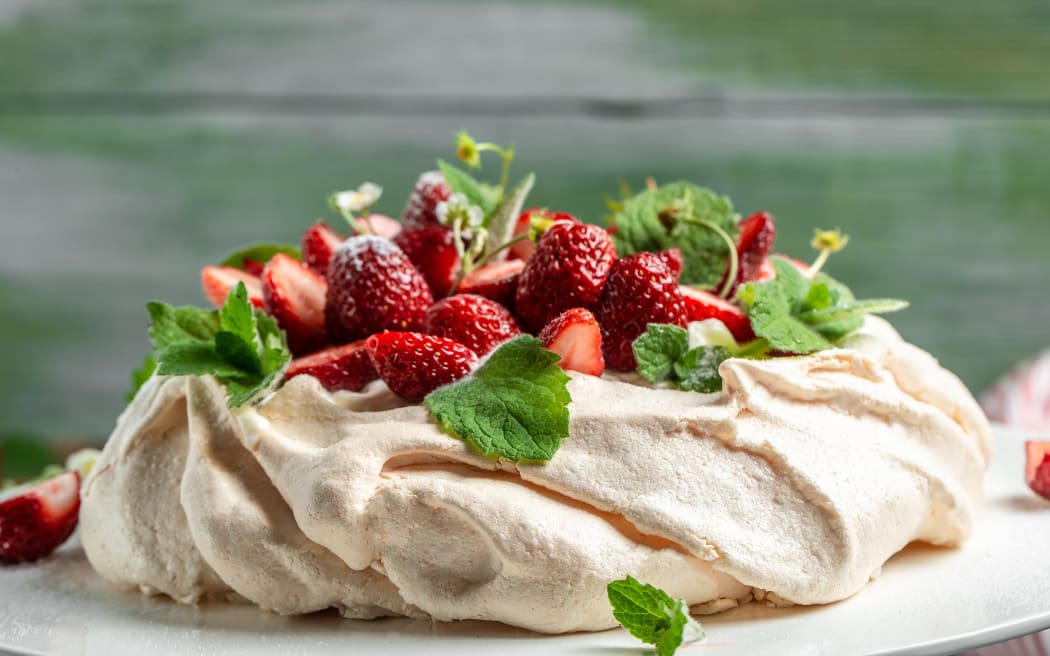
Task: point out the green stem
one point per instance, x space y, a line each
818 263
488 258
368 222
734 258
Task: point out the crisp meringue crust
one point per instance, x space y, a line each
795 484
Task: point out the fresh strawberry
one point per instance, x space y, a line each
379 225
567 270
474 321
640 290
253 267
295 296
36 518
497 281
413 365
219 281
1037 467
672 257
345 367
433 250
700 305
372 287
319 242
421 209
577 338
753 244
526 247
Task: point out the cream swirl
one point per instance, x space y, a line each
800 479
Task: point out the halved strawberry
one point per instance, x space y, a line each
319 242
672 257
526 247
421 208
577 338
753 244
497 281
379 225
474 321
413 365
36 518
433 250
1037 467
700 305
372 287
639 291
219 281
345 367
295 296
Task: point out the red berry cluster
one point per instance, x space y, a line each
378 305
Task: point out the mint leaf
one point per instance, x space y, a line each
260 254
658 349
239 345
655 220
515 406
140 375
459 181
772 314
504 219
697 370
651 615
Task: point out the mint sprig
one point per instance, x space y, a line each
515 406
240 345
652 615
674 215
798 315
260 254
664 355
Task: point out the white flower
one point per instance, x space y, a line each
457 207
357 200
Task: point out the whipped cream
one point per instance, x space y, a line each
794 485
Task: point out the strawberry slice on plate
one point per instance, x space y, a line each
295 296
344 367
1037 467
218 281
36 518
414 365
701 305
577 338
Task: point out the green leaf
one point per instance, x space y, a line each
651 615
194 359
244 356
515 406
658 349
237 315
697 370
140 375
772 318
459 181
793 285
173 325
843 310
502 222
260 254
656 220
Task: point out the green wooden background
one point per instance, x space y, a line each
141 140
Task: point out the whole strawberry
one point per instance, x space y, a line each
567 270
344 367
372 287
421 209
524 249
640 290
433 250
320 241
414 365
471 320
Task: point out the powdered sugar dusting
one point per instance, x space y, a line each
352 250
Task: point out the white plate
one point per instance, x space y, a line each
927 601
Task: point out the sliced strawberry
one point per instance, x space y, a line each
526 247
253 267
766 271
474 321
640 290
753 244
672 257
379 225
1037 467
497 281
372 287
413 365
319 242
421 209
433 250
35 519
345 367
295 296
567 270
219 281
577 338
700 305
